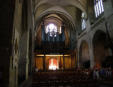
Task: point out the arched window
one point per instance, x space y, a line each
83 21
51 29
98 7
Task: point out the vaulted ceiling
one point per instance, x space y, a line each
68 10
59 12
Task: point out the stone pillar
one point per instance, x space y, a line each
32 50
77 58
91 54
31 25
27 55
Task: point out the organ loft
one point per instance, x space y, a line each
56 43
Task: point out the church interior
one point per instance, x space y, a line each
56 43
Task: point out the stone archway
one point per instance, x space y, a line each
84 59
102 51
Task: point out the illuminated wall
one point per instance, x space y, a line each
68 62
39 63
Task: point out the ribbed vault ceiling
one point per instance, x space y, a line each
67 8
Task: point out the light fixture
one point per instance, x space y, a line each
51 55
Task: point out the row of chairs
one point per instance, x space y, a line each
64 79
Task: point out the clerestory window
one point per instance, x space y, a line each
98 7
83 21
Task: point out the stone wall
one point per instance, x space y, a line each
97 25
20 61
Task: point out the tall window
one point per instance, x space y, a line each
83 21
98 7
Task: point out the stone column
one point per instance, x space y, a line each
27 54
77 58
91 54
